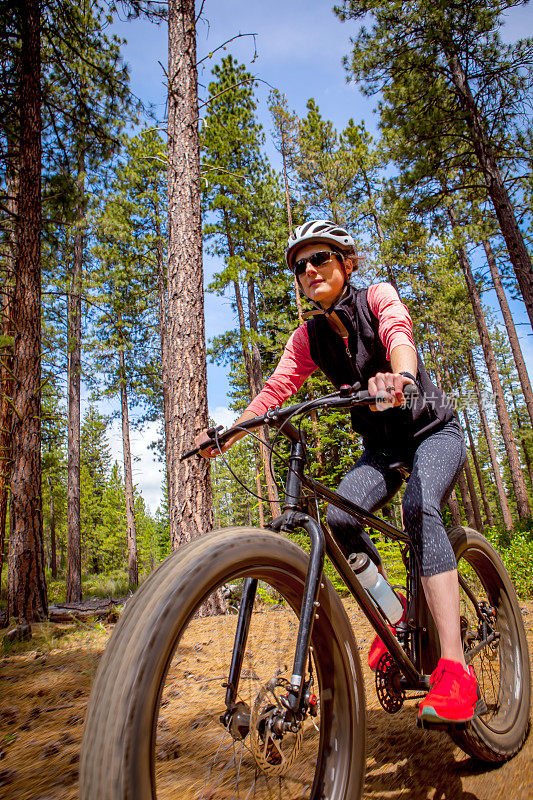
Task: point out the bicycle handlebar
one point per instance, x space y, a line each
346 397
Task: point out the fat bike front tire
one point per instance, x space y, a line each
154 728
502 667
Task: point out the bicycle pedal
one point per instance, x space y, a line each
447 727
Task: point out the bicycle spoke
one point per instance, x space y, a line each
229 765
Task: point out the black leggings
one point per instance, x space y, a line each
371 483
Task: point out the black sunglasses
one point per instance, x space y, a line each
317 260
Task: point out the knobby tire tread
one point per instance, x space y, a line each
108 750
477 741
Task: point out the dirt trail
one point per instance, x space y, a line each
44 692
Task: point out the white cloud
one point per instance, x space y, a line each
222 416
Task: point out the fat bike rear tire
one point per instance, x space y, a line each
154 729
502 668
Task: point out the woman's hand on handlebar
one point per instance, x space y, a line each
213 450
389 386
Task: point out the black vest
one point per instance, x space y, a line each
397 429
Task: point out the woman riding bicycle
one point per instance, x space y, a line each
366 335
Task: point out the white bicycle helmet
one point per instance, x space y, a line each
316 231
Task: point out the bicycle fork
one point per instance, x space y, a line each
291 518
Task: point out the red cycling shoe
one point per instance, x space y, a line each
378 648
452 695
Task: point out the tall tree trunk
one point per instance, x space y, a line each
455 511
502 497
314 418
163 338
521 434
519 486
465 497
496 188
6 351
252 365
529 465
377 224
252 385
473 496
259 494
133 567
73 587
453 503
486 504
190 500
26 578
289 216
511 329
53 547
257 385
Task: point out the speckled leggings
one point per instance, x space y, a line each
371 483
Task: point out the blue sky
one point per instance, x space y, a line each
300 46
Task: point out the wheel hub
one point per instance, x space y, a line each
275 741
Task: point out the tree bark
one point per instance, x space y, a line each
190 500
27 598
473 496
6 352
53 547
453 503
496 188
133 567
465 497
73 586
257 385
486 504
517 478
523 441
259 494
163 338
502 497
252 385
455 511
511 329
377 224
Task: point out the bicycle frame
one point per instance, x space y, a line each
322 542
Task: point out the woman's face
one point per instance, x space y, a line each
322 284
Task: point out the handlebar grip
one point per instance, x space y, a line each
212 431
195 450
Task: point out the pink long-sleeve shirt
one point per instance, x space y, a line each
395 327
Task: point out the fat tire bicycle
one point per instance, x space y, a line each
270 703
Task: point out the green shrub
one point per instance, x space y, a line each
517 556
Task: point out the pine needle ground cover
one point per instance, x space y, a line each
45 685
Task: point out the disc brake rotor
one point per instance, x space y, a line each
274 752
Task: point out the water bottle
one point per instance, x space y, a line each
377 587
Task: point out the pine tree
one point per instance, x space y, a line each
53 469
189 491
245 220
94 472
444 70
26 581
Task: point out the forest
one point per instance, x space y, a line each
106 213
